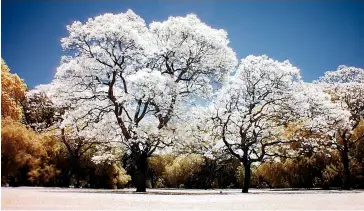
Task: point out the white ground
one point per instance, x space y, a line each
57 198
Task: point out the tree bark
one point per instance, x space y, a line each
345 160
75 169
247 177
140 181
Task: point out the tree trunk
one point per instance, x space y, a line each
140 181
247 175
75 170
153 180
78 180
345 160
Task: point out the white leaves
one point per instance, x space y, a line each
188 35
124 77
245 115
259 85
343 74
316 109
195 49
346 88
259 80
125 28
149 84
137 77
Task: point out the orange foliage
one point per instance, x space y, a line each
12 92
22 148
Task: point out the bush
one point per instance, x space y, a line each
182 170
27 157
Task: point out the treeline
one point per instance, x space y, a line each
313 170
31 159
34 154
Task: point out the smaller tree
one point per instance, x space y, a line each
39 112
77 136
12 93
313 118
346 87
246 114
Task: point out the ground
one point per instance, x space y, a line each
157 199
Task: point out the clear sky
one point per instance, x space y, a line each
314 36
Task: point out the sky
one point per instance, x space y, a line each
314 36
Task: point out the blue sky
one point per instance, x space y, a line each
314 36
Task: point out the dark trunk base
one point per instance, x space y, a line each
140 181
141 189
346 165
247 175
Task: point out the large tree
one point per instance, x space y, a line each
246 114
136 78
346 87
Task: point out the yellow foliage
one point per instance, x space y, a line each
359 131
115 175
159 162
182 169
23 148
12 92
274 174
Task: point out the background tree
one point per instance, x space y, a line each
42 115
12 93
27 158
183 170
157 165
39 111
194 137
346 86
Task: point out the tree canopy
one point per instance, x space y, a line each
12 93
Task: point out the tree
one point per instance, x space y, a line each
39 111
26 156
12 93
42 115
193 135
246 114
138 78
157 166
346 87
182 170
314 118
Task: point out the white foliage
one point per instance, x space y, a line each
123 81
346 88
245 114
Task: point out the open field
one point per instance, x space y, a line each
57 198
